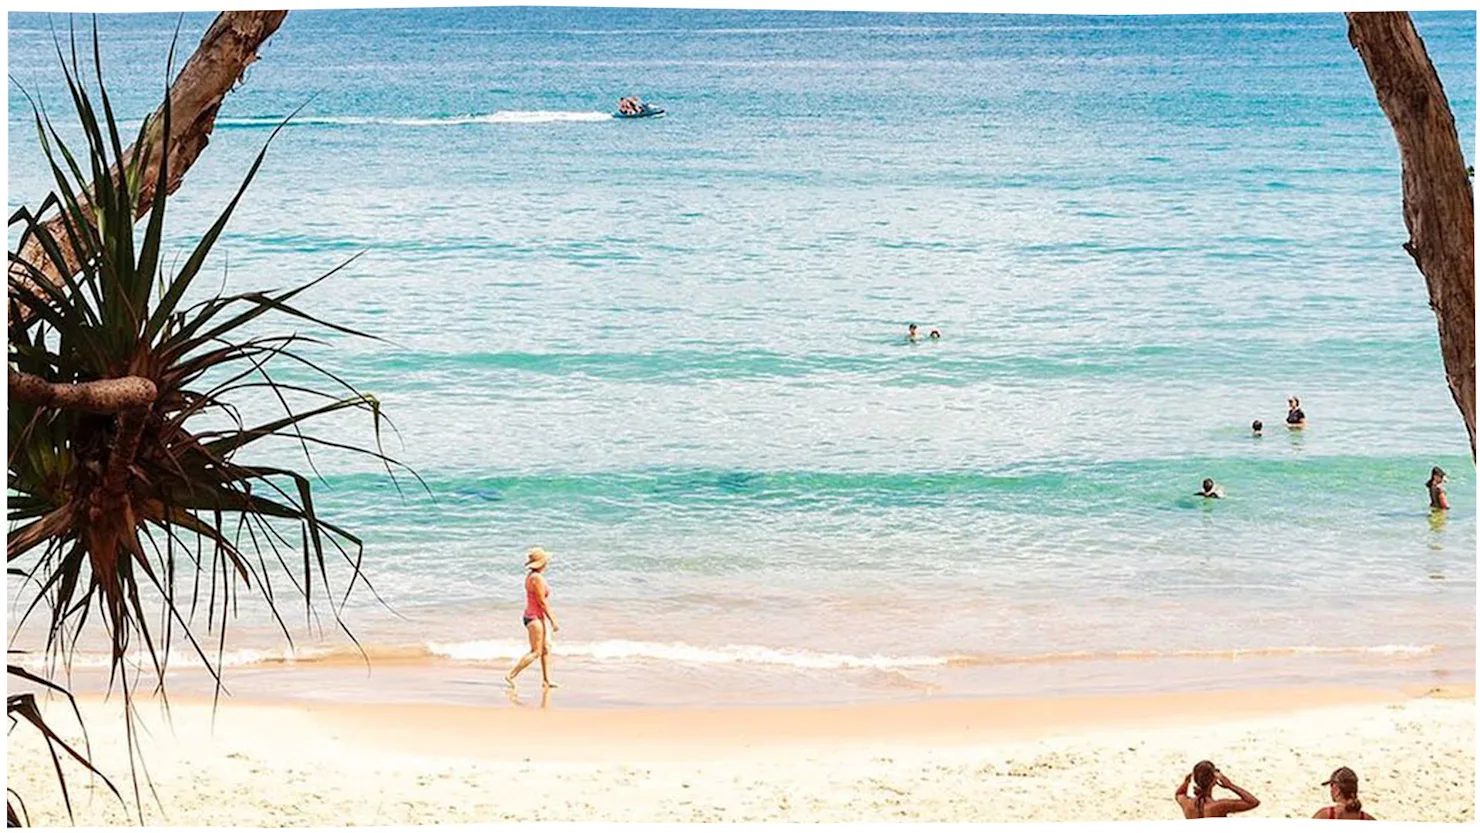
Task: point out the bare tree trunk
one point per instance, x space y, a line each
1438 203
225 51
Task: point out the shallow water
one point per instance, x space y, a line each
672 352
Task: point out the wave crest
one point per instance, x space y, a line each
615 650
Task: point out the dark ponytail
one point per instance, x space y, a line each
1349 795
1203 777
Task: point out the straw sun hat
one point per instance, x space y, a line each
536 559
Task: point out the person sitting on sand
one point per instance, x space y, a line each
1258 427
536 612
1343 785
1210 489
1437 498
914 334
1295 420
1204 777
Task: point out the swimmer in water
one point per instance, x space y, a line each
935 335
1437 499
1210 489
1295 420
1258 427
914 333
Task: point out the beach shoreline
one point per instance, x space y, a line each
281 763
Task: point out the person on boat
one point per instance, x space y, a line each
1210 489
536 613
624 106
1296 418
1201 804
1437 498
1343 786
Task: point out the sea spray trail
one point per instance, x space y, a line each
500 117
673 352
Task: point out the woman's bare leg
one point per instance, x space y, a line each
545 665
536 650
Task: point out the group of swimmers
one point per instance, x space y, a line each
1295 421
1204 777
914 333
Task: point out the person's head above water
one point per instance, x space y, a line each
1208 484
935 333
913 328
1258 426
1436 477
1294 402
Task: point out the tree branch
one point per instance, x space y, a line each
225 51
105 396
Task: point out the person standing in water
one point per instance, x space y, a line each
1295 420
1201 805
914 334
1343 786
1437 499
536 613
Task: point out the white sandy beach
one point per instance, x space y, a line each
1062 759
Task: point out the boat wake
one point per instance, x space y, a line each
496 117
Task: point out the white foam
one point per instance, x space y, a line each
612 650
621 649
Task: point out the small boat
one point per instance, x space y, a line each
645 111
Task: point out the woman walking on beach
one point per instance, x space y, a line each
1204 777
536 613
1343 786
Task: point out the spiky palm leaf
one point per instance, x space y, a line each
114 488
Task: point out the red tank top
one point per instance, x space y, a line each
534 603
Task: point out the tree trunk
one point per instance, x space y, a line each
1438 203
228 47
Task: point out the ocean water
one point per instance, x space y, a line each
672 351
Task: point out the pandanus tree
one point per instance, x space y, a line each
128 473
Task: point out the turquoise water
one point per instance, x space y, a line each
672 351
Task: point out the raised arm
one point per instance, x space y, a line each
1245 800
1183 800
